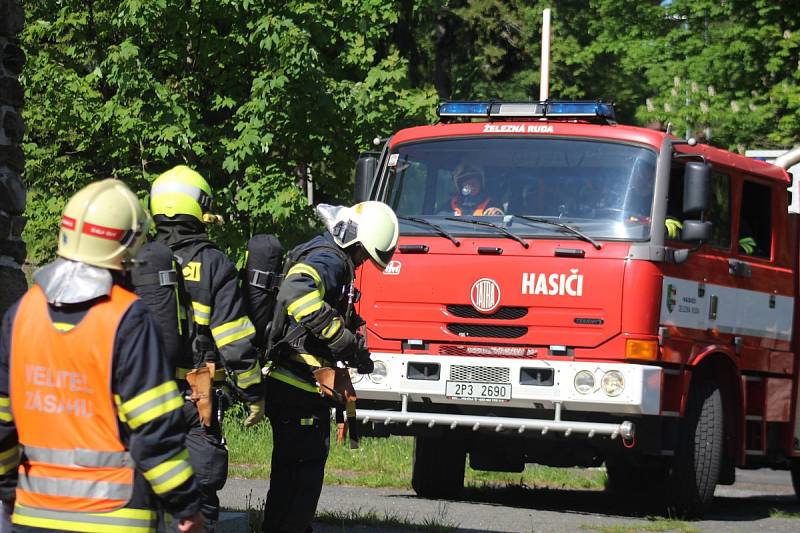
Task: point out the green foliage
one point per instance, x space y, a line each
383 462
727 72
272 99
260 97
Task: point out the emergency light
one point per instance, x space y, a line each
554 109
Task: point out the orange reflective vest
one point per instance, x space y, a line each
477 212
62 404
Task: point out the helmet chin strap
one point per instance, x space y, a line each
357 254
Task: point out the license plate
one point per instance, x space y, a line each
482 392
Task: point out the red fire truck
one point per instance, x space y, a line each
610 294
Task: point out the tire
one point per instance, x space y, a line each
796 477
11 17
698 457
438 468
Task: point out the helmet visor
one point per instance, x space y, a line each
383 257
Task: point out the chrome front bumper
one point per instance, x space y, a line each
641 395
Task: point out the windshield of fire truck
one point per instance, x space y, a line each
604 189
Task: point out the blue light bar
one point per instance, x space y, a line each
580 109
518 109
522 110
464 109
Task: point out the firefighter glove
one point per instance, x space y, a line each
747 245
256 413
344 345
363 364
674 227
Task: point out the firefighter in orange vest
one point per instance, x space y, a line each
471 197
91 433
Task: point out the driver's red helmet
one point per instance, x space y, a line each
469 180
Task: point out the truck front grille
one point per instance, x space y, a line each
480 374
479 330
504 313
479 350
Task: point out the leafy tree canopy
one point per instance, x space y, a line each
272 99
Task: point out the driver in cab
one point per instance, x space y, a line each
471 196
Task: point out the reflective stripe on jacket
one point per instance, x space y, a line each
478 211
73 458
313 297
213 284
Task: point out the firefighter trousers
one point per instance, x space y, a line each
208 456
301 439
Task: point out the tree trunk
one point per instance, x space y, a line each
12 160
442 78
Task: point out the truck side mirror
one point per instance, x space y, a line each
696 187
696 231
365 174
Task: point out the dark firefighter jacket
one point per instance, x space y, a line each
211 280
314 297
150 422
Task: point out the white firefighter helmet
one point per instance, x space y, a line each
371 224
103 225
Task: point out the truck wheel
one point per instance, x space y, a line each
438 468
698 457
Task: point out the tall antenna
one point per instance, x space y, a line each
544 83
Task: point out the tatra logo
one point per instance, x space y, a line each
485 295
553 284
393 268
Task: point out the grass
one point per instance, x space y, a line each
655 524
383 462
777 513
439 523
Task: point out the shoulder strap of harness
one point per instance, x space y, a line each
279 349
186 252
302 253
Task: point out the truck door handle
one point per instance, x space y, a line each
712 307
739 268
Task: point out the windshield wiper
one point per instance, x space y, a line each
436 227
567 227
499 228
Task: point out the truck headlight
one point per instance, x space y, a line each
355 377
613 383
379 373
584 382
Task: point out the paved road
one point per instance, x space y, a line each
743 507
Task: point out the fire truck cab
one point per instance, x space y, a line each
611 294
